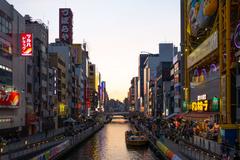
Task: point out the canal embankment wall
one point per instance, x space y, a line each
69 143
160 149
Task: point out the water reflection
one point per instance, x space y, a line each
109 144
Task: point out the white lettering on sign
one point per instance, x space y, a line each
65 36
202 97
65 29
65 12
64 20
65 25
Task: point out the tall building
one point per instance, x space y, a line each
136 100
86 96
59 86
64 51
12 71
150 69
104 98
93 86
209 63
177 81
77 54
134 94
163 83
141 60
40 72
52 92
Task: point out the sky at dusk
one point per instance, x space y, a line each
116 31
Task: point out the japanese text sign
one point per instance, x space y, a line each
26 44
65 25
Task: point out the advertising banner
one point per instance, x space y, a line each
26 44
9 98
53 152
200 15
65 25
204 49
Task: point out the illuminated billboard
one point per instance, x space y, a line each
26 44
65 25
200 14
11 98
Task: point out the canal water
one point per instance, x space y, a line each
109 144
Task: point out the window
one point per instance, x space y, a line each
5 75
29 88
5 25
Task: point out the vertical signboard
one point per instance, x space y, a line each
26 44
65 25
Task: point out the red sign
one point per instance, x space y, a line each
65 25
9 98
26 44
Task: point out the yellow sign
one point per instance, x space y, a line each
61 108
200 106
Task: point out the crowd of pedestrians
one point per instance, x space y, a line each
180 129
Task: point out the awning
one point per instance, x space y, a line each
171 115
199 115
176 115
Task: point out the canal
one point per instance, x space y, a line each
109 144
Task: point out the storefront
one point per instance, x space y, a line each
204 107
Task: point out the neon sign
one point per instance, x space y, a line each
200 105
26 44
9 98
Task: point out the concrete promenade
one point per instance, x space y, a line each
40 143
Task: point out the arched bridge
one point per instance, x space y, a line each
117 113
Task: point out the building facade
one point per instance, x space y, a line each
141 60
59 86
12 71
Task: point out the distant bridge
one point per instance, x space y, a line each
117 113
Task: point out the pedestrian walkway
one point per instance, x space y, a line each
174 148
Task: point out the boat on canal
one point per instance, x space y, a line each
135 138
